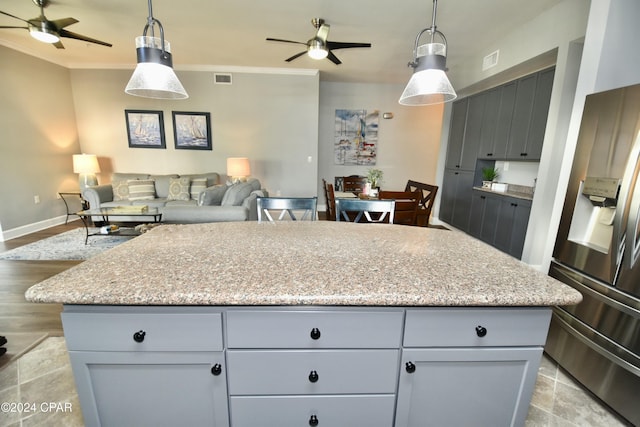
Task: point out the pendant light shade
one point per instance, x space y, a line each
429 83
154 76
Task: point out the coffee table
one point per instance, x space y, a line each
153 214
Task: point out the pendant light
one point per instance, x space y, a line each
154 76
429 83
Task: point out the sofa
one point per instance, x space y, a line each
182 199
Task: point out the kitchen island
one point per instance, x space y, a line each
318 323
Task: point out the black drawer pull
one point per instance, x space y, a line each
410 367
315 334
313 376
216 369
489 154
483 197
523 154
313 420
139 336
481 331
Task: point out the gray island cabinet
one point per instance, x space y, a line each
238 324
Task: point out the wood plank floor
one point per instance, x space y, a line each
17 315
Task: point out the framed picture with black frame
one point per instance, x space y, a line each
191 130
145 128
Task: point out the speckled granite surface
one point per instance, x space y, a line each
310 263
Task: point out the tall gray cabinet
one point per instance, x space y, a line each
504 123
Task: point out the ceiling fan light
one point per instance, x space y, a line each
43 34
317 49
428 87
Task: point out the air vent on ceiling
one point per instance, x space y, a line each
490 60
222 78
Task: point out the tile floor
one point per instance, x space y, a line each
43 377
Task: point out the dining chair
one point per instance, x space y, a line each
354 184
406 209
330 197
363 208
287 206
428 193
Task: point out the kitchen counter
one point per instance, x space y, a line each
525 195
303 263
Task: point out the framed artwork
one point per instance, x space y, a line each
356 137
192 131
145 128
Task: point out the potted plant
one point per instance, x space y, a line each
488 175
374 176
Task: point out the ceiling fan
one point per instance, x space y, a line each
47 31
318 47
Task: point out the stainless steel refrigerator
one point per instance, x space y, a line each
597 251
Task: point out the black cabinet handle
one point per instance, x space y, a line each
315 334
313 376
483 197
457 166
313 420
216 369
481 331
410 367
523 154
139 336
489 154
514 204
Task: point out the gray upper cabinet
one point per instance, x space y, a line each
456 134
496 126
530 112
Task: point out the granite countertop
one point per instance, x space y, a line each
303 263
525 195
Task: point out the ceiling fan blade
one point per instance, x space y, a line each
323 32
64 22
70 35
331 57
58 44
13 16
284 41
7 26
297 55
345 45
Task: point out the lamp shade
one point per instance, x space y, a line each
238 167
154 76
85 163
428 87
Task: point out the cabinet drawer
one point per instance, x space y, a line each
295 411
476 327
291 372
115 331
313 329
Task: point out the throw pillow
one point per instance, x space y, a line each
120 190
141 189
198 185
236 194
179 189
212 196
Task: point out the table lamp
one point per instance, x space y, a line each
87 166
238 169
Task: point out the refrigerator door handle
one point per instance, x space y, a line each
632 240
626 189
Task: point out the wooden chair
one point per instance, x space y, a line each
287 205
364 208
354 184
331 200
426 202
407 202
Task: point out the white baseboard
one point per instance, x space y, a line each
32 228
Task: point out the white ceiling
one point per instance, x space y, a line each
229 33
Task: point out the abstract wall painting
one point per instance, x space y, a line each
356 137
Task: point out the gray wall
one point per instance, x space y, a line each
39 135
270 118
408 144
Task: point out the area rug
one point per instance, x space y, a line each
65 246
